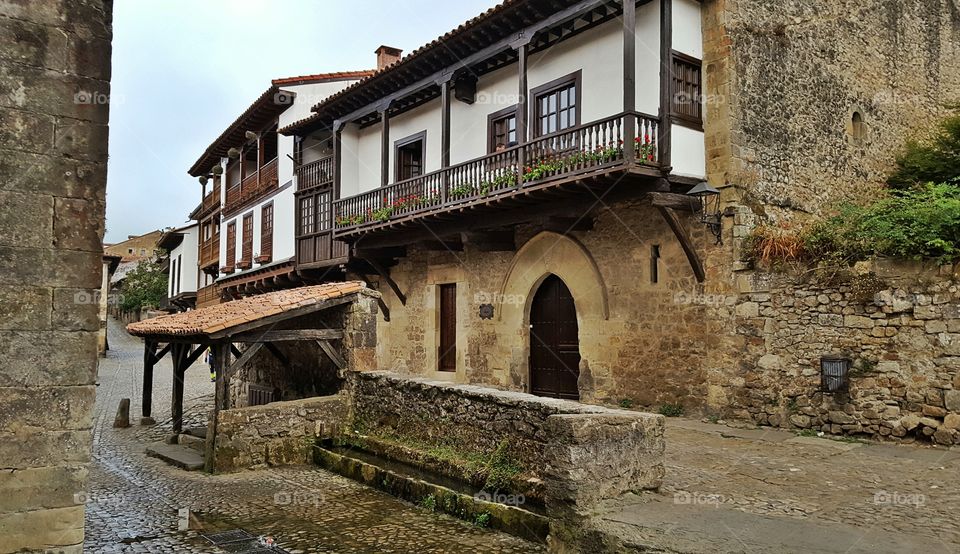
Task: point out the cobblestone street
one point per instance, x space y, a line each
721 483
133 500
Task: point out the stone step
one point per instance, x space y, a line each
190 441
200 432
176 455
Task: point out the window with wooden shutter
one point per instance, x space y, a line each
246 254
686 104
307 215
447 350
266 233
231 247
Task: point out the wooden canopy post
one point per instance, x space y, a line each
149 360
221 398
385 144
179 352
666 86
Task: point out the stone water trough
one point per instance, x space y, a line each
528 465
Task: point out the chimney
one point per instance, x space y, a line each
387 55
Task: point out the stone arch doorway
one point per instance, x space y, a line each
554 341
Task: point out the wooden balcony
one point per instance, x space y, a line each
589 149
210 203
252 188
315 174
210 252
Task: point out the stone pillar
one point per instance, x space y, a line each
54 94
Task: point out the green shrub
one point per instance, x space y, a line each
671 410
921 223
145 286
934 161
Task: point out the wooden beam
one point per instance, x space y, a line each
666 86
288 335
670 216
630 78
385 145
337 157
149 360
272 348
161 354
675 201
465 62
386 277
563 225
289 314
235 351
381 253
444 84
331 353
383 308
189 360
221 398
247 355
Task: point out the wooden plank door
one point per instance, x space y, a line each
447 350
554 341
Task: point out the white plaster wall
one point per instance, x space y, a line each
423 118
648 59
688 152
687 37
284 241
468 123
188 253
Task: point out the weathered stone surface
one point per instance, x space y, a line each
951 400
123 414
910 422
59 408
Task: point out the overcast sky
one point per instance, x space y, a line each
185 69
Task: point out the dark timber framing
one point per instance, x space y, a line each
629 77
666 84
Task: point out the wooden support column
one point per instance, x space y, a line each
666 84
337 159
629 80
179 352
523 103
149 360
444 84
221 360
384 144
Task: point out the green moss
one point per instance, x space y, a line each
671 410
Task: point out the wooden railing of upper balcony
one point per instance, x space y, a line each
210 251
252 187
585 148
208 295
210 202
317 173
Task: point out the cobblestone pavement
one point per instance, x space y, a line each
874 488
133 500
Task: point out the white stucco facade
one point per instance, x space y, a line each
184 273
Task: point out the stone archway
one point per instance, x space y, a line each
548 254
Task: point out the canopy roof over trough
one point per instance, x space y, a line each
222 320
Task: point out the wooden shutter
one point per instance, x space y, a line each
687 90
266 232
231 244
247 253
447 351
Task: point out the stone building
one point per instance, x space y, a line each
54 93
523 204
136 247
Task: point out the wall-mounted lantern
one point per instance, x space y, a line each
708 199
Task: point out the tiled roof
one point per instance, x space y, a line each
220 317
319 77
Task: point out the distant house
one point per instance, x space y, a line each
181 245
136 247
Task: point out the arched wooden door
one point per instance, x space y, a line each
554 341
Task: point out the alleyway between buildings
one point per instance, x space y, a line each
726 490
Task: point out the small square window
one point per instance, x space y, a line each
834 374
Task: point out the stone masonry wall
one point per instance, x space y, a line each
899 324
583 453
54 88
783 80
279 433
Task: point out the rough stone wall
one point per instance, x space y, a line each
784 79
54 85
279 433
900 325
583 453
647 350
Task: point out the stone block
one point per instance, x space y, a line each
24 308
53 528
857 322
52 408
26 219
748 309
952 421
951 400
41 358
933 411
910 422
75 310
65 447
78 224
42 487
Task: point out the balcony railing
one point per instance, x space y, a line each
315 174
210 251
582 149
210 202
252 187
208 295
